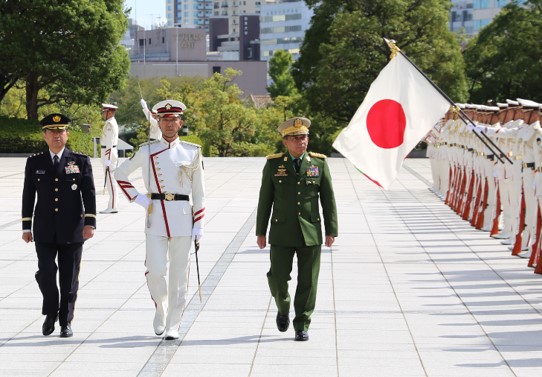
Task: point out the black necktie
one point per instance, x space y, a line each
55 161
297 164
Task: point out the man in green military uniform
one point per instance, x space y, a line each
292 182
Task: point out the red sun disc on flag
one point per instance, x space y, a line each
386 123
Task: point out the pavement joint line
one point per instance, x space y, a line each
6 225
164 352
451 286
334 310
260 336
392 207
417 175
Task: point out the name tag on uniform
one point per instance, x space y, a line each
72 168
40 171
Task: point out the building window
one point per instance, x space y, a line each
216 69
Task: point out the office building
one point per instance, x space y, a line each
472 15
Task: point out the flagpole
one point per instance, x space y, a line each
464 117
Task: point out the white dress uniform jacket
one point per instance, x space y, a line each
168 168
109 141
154 130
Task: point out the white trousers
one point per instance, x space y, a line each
531 209
491 204
168 296
112 189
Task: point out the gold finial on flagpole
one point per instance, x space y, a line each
455 112
393 47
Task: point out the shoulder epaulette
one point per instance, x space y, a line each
189 143
36 154
80 154
275 155
317 155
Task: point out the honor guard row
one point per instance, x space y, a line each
490 171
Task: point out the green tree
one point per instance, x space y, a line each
62 50
280 71
504 60
343 51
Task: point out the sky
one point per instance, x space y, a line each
147 12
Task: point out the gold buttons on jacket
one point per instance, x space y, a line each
56 179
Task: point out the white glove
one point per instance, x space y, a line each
144 104
470 127
197 233
143 201
108 163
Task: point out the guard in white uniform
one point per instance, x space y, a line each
110 156
173 176
154 129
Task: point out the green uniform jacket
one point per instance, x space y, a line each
296 219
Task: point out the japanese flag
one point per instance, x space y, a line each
401 107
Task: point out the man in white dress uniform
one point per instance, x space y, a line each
175 203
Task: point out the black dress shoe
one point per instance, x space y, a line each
301 336
49 324
283 322
66 331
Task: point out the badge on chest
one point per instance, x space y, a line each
72 168
281 171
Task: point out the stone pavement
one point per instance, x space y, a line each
409 289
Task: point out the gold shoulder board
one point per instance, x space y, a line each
317 155
275 155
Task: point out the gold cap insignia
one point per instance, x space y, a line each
298 122
56 118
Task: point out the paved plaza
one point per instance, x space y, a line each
409 289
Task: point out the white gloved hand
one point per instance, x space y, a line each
108 163
144 104
143 201
197 233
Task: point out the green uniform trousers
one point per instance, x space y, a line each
308 269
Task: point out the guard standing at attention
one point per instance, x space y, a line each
292 184
110 155
175 204
58 220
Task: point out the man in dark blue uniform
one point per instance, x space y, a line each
64 216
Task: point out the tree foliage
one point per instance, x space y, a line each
343 50
505 59
63 51
280 71
217 114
